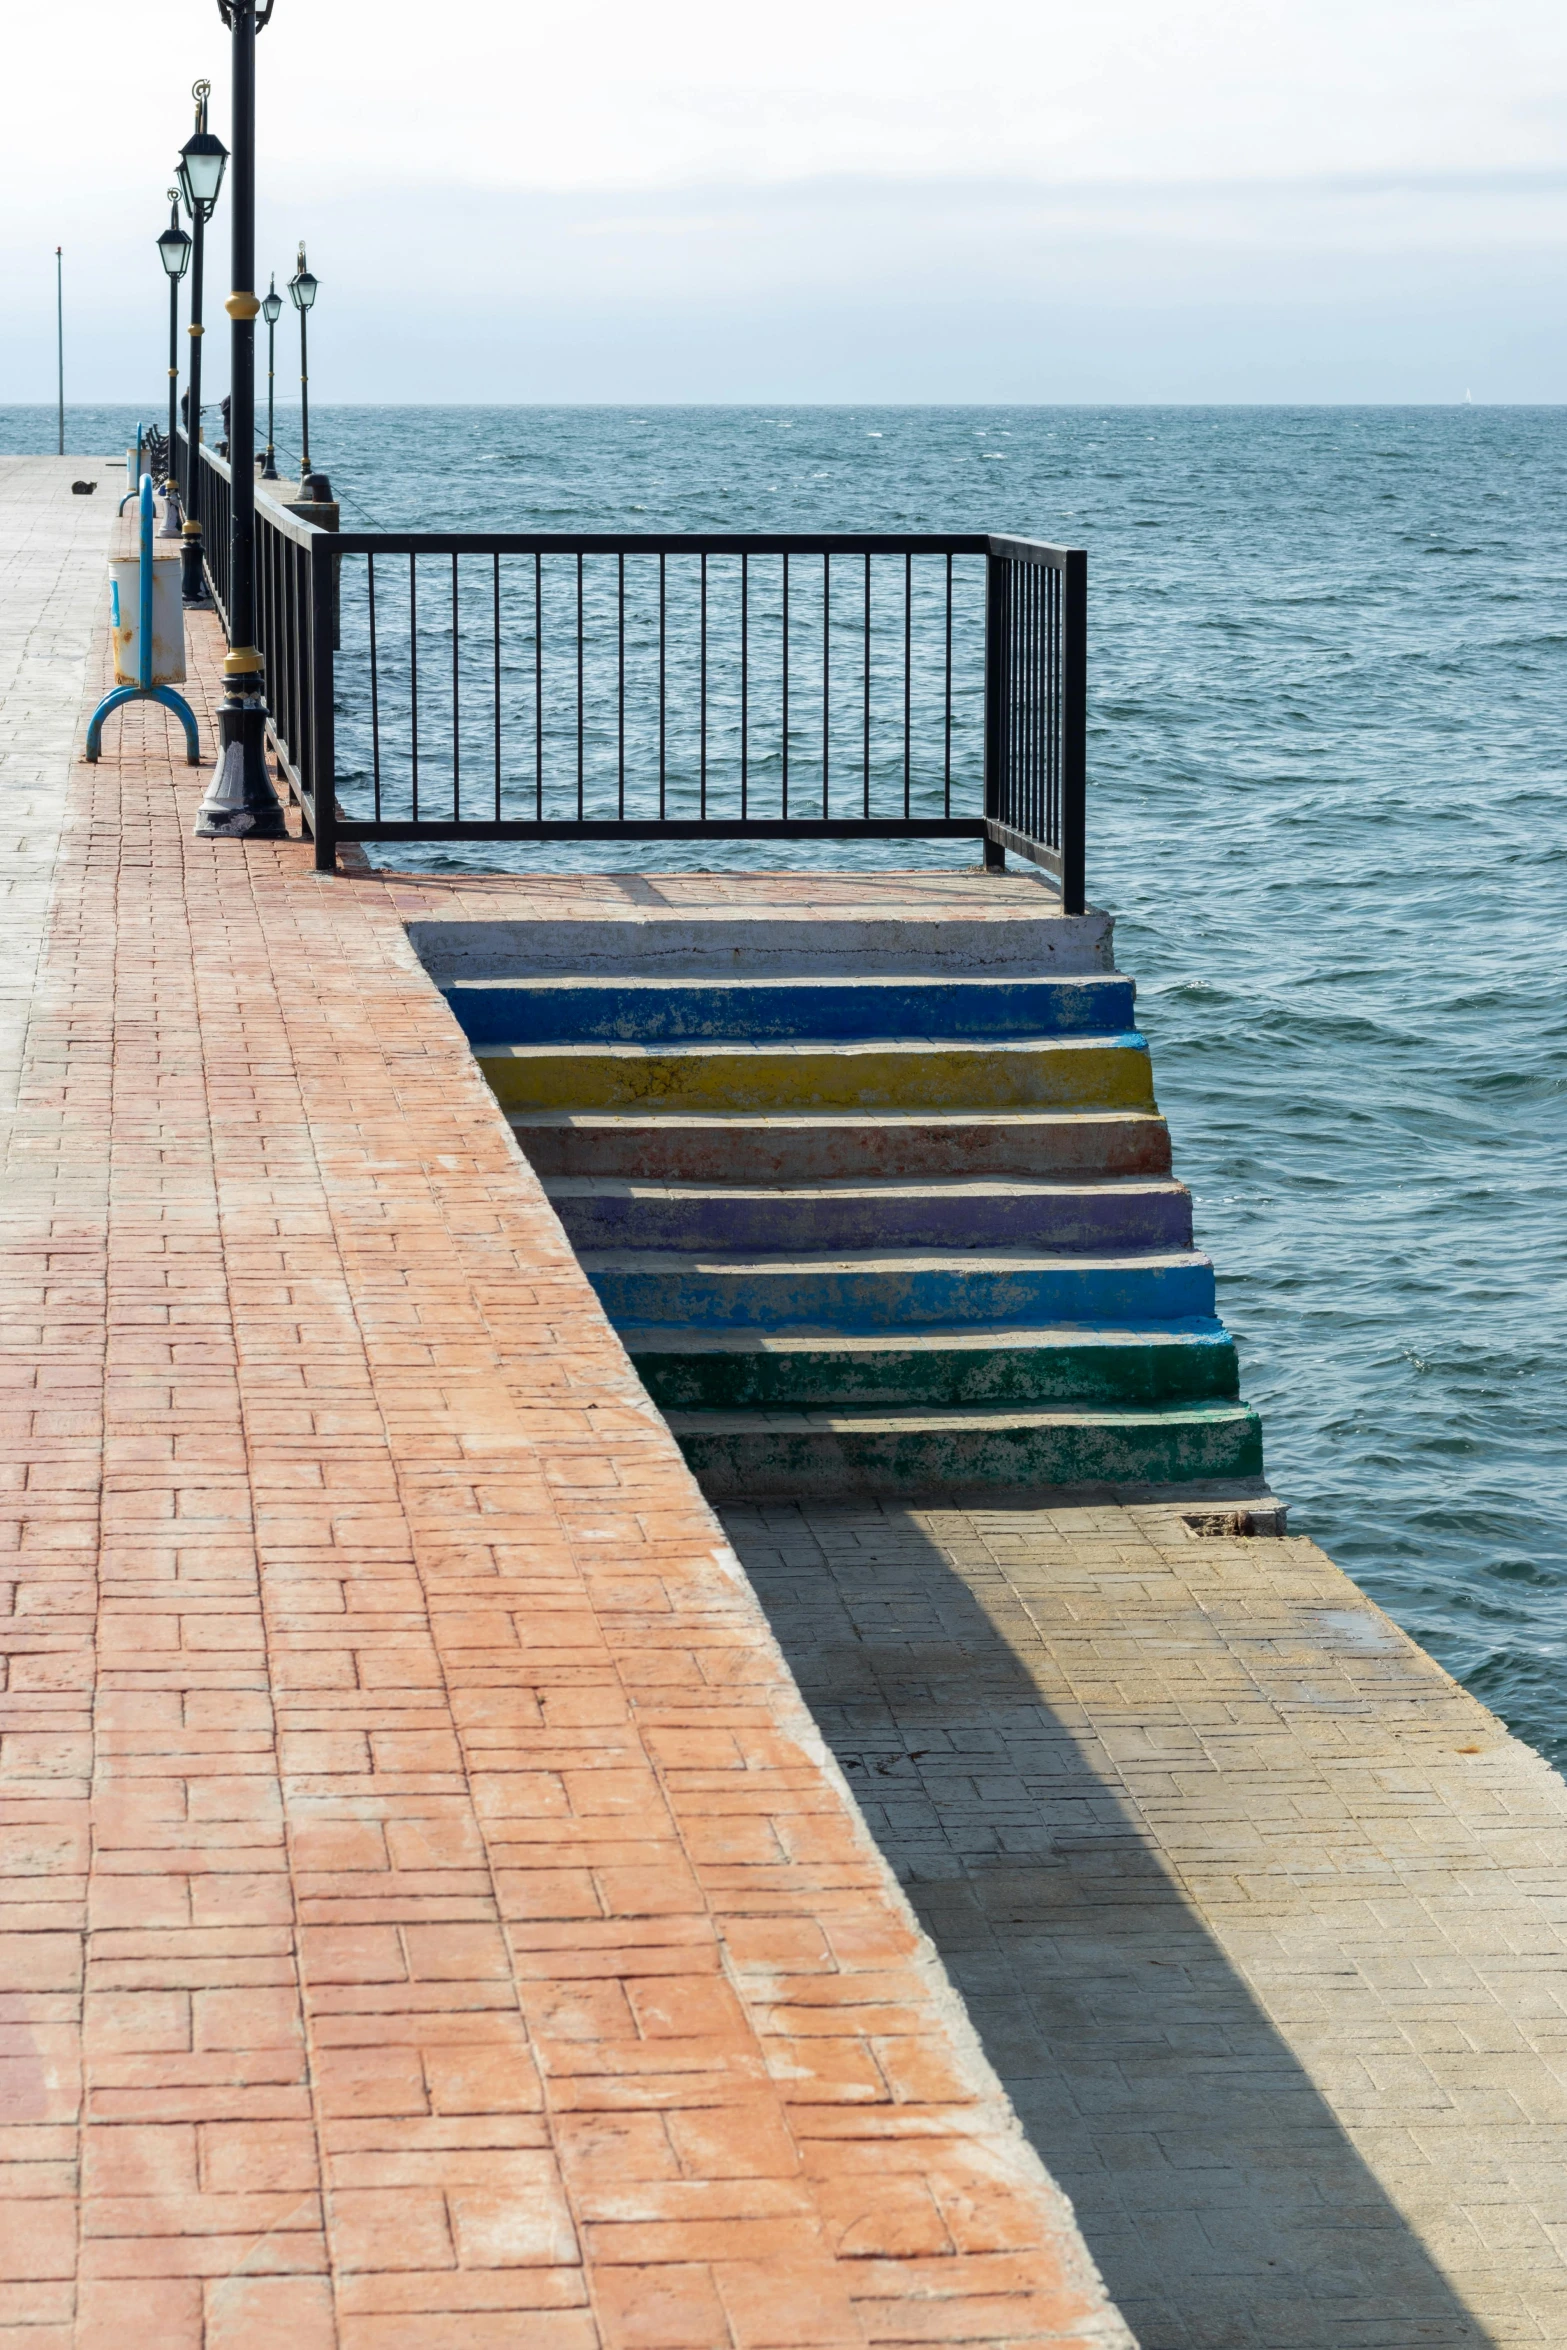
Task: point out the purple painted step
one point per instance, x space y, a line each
826 1146
608 1212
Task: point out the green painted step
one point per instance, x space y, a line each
1052 1072
826 1146
747 1370
739 1455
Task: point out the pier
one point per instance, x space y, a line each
460 1889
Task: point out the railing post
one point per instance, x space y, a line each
996 589
1074 730
323 740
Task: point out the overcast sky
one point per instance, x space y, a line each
837 200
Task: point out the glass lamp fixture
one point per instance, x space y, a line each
202 159
272 304
302 285
174 250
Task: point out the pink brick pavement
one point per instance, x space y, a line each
430 1916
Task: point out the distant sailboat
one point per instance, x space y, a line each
1469 399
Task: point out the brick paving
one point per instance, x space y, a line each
430 1917
52 549
1262 1919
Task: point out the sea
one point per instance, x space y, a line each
1328 732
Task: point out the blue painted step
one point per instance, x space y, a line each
610 1213
894 1291
759 1011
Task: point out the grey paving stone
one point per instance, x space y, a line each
1263 1921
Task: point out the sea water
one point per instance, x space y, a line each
1326 799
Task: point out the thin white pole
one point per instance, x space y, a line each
59 346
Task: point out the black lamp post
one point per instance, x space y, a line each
302 286
200 176
241 804
174 252
271 311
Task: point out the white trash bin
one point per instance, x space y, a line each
168 620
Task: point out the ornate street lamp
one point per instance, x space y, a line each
241 804
271 311
174 253
200 176
303 287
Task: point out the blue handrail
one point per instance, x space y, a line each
144 690
125 501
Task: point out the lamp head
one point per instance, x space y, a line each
174 250
272 303
302 286
202 159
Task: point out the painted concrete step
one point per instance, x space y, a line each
601 1212
898 1290
749 1370
824 1146
758 1011
892 1073
836 927
739 1454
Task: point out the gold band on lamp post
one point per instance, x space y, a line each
242 306
242 661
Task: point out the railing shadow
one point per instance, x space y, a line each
1216 2189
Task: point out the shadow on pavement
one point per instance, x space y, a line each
1218 2193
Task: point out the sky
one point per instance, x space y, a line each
845 200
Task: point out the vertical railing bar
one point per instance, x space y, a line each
786 682
1041 705
1024 745
1056 584
413 679
865 755
826 676
702 700
1024 577
995 665
663 696
946 751
538 687
375 699
1048 728
620 682
580 714
908 674
323 740
496 601
456 704
1046 723
1038 703
1074 730
745 685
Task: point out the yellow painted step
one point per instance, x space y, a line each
1088 1073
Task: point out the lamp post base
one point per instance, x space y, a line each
193 587
269 471
172 519
241 803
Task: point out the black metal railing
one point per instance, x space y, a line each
554 686
295 580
